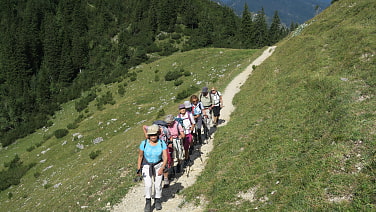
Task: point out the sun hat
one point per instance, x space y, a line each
205 89
169 119
181 106
153 129
187 104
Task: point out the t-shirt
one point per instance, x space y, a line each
188 120
174 130
197 109
153 154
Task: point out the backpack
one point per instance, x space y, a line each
197 109
216 100
180 120
210 96
165 134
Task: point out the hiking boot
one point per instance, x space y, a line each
191 148
166 183
178 168
147 205
199 137
158 204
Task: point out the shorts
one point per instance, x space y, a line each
216 110
187 141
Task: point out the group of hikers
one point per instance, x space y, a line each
172 141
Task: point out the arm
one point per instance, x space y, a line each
144 129
164 158
139 160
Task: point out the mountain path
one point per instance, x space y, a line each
134 201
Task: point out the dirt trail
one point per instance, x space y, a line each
134 201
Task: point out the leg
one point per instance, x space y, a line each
158 190
147 180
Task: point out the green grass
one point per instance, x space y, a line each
303 134
66 177
302 137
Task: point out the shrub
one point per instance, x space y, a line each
121 90
72 126
187 73
37 174
30 148
156 78
176 36
94 154
60 133
185 93
173 75
161 113
105 99
178 82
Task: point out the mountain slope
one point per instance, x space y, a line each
94 163
303 135
297 11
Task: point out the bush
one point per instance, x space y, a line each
173 75
105 99
161 113
72 126
95 154
30 148
185 93
187 73
178 82
121 90
156 78
60 133
37 174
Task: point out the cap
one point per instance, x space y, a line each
181 106
169 119
153 129
187 104
205 89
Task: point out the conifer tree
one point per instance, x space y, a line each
261 31
247 28
276 29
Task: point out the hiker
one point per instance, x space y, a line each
217 105
152 159
206 100
197 109
175 143
164 135
188 123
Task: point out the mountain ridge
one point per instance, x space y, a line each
296 11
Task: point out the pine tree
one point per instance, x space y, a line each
276 29
247 28
261 31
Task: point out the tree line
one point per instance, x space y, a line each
53 50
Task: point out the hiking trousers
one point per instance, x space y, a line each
149 181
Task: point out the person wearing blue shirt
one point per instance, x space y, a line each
152 159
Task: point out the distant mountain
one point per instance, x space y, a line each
297 11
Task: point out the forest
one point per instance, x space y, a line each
52 51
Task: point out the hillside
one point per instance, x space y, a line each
93 165
296 11
302 137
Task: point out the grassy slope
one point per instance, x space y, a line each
93 183
303 135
